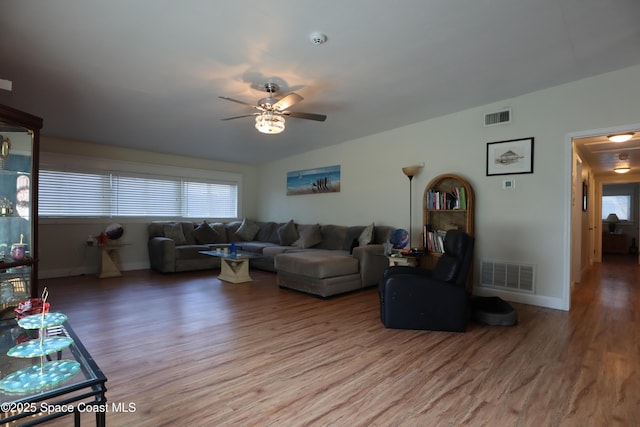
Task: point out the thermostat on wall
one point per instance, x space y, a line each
508 184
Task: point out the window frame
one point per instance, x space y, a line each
68 163
604 214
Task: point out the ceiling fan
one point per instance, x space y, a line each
271 111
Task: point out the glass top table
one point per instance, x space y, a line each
234 268
82 392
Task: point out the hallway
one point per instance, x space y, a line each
604 311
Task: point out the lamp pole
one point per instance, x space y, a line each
410 172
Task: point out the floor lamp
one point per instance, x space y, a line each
410 172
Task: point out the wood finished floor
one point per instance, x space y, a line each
188 349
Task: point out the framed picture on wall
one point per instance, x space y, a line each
514 156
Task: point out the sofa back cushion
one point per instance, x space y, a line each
288 233
221 230
382 233
266 231
333 237
179 231
247 230
309 235
204 234
230 230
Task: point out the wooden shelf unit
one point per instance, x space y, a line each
451 215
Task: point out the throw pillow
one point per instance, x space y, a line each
366 236
310 236
247 230
204 234
174 232
287 233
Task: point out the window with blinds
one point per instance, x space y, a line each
123 194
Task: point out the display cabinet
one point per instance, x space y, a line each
448 203
19 156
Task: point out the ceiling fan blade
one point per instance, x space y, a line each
239 102
286 102
308 116
239 117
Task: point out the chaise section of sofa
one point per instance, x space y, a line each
341 263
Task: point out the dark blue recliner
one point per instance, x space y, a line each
436 300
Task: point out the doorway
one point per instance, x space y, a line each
593 159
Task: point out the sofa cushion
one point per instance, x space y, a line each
204 234
366 236
219 228
190 251
256 247
287 234
317 264
230 230
352 233
333 237
247 230
271 251
187 230
309 236
265 232
174 232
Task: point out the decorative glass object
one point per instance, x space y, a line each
44 374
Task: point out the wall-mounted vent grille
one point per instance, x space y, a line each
507 275
498 118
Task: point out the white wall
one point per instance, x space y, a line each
528 224
62 248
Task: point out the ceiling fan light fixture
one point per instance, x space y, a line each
620 137
270 123
621 169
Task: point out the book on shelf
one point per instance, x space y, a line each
434 240
443 200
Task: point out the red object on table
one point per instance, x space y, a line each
31 306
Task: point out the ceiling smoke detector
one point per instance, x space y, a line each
317 38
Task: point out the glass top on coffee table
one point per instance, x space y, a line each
234 268
227 255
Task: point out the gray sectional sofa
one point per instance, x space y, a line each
319 259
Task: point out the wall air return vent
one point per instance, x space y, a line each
498 118
510 276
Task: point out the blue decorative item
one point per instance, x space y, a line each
399 238
233 250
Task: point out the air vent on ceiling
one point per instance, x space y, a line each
498 118
506 275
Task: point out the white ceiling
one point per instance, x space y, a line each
147 74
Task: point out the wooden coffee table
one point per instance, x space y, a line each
234 268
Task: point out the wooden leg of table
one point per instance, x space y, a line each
234 270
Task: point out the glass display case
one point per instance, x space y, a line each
19 155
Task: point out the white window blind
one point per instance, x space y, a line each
139 196
120 194
210 200
73 194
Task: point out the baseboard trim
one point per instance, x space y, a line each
541 301
82 271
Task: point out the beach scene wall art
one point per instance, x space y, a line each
314 181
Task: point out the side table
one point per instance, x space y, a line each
409 261
109 260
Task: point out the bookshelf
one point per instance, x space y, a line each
448 202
